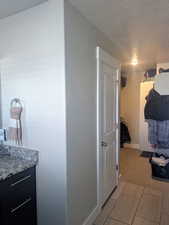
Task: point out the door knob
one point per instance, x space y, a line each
104 144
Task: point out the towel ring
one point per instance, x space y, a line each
16 101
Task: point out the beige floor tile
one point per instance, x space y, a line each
134 169
164 219
152 192
132 189
159 185
165 203
140 221
125 208
113 222
137 170
100 220
150 208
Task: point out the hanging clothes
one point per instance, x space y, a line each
150 73
156 113
157 106
158 133
124 134
161 70
157 116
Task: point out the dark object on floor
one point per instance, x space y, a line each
124 134
146 154
159 172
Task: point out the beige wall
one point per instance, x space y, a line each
130 103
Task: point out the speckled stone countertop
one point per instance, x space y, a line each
17 160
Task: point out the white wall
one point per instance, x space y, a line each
81 41
32 68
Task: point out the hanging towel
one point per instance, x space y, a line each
15 128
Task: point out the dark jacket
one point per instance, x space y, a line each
124 134
157 106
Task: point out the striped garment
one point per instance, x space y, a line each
158 133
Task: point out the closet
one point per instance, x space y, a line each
145 87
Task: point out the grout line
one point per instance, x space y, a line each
109 210
139 200
117 221
105 221
161 209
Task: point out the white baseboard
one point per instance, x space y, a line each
135 146
92 217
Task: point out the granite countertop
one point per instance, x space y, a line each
17 160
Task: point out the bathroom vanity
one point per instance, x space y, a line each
18 187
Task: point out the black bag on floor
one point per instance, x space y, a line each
159 172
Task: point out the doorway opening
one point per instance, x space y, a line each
134 136
138 199
136 149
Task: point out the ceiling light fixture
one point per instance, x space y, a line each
134 61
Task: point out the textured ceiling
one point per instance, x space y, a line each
140 26
10 7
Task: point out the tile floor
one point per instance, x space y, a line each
135 202
135 205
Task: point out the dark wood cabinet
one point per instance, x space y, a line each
18 199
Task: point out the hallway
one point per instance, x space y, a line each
137 170
139 200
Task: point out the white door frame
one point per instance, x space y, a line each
103 56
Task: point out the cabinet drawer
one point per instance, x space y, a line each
24 213
18 199
20 188
20 181
21 178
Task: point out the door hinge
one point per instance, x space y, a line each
104 144
117 167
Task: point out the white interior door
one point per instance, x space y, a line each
108 136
